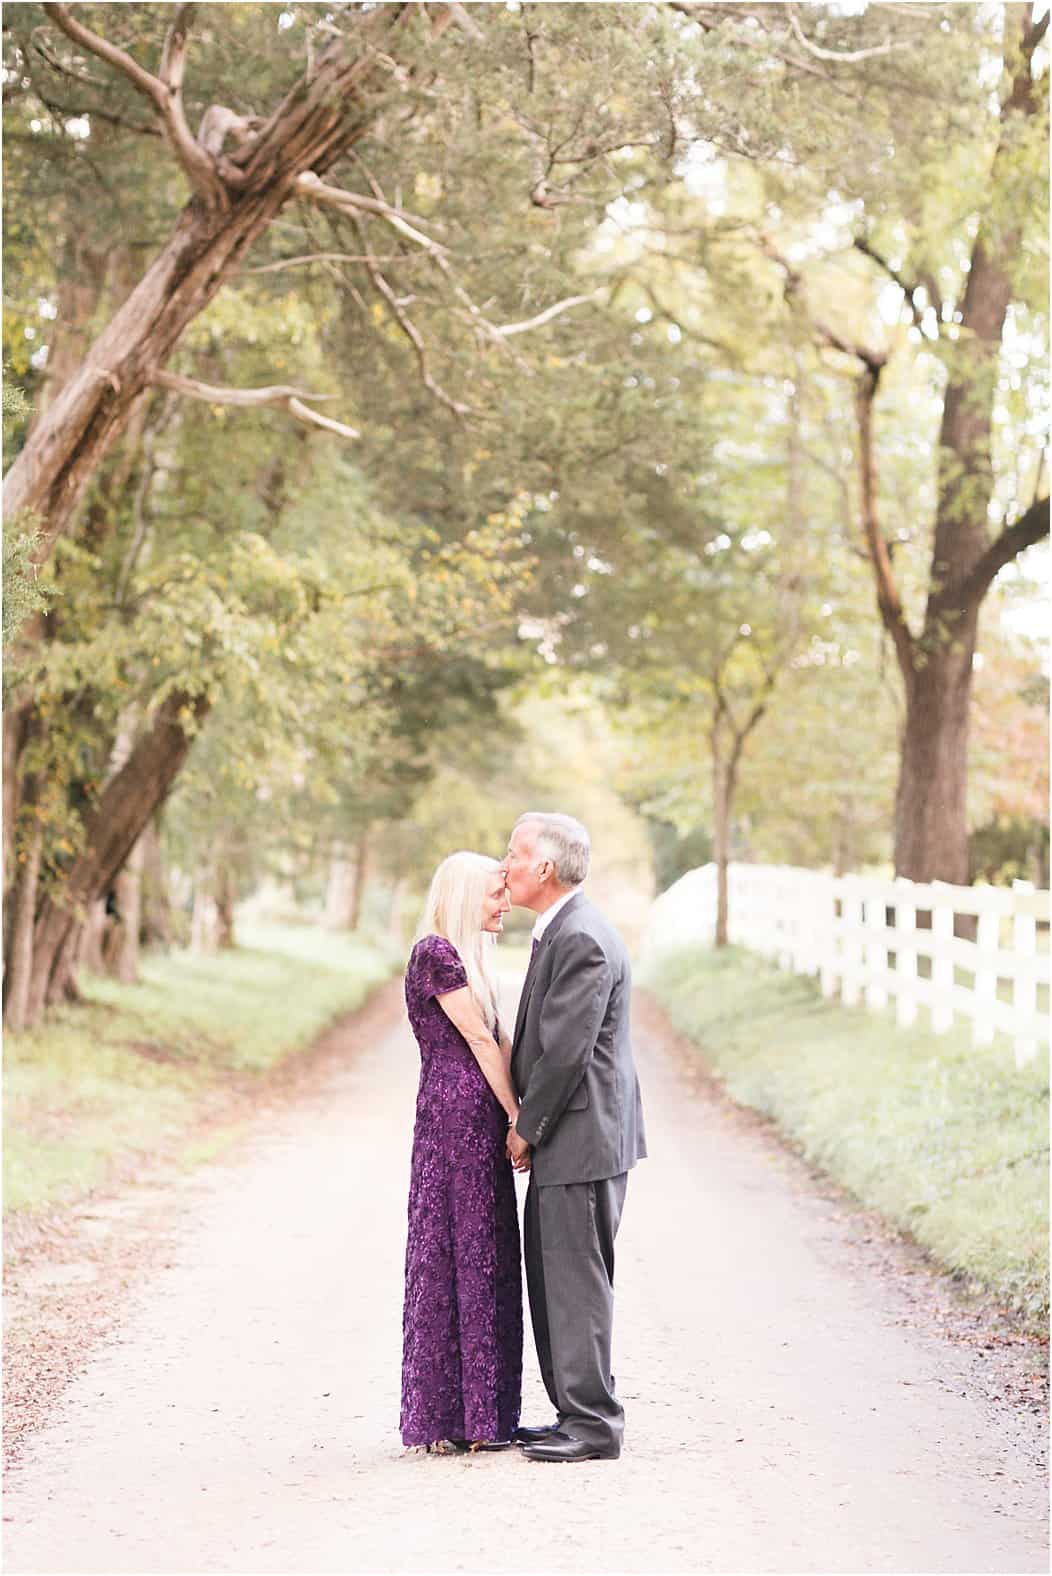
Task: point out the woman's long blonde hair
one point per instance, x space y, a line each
454 910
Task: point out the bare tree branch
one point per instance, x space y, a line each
843 56
281 394
311 187
505 330
411 332
314 418
1031 527
145 81
471 311
907 286
164 92
873 360
889 601
1035 32
301 261
459 15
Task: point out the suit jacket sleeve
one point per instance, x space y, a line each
570 1019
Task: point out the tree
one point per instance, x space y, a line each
936 660
243 170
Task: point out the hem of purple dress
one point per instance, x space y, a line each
417 1436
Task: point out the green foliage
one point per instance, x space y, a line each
655 487
949 1142
1010 848
676 852
24 592
126 1075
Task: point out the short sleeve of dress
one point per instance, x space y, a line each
437 966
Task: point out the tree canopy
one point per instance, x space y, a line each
373 369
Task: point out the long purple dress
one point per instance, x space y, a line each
462 1321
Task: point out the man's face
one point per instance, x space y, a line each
524 873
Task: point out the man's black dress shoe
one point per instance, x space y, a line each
533 1436
563 1447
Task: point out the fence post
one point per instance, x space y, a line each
805 950
905 963
787 916
827 947
942 979
1024 940
851 949
876 952
710 898
987 939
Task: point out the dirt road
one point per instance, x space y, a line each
791 1405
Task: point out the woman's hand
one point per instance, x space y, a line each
518 1150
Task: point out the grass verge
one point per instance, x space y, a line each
126 1073
947 1141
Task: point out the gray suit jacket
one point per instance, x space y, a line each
572 1057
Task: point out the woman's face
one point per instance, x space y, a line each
495 904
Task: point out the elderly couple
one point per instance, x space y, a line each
561 1101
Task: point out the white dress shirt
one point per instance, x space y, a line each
541 923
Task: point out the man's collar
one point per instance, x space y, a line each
541 923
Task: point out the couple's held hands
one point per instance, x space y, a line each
518 1150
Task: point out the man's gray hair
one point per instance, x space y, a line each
562 840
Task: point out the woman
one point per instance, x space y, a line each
462 1323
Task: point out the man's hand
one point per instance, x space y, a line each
518 1150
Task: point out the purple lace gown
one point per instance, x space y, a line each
462 1320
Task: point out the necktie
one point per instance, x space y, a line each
534 944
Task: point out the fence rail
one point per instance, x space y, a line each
979 953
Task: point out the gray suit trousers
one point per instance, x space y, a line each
569 1231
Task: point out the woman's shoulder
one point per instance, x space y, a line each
435 968
433 948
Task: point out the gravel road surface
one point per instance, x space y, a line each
792 1402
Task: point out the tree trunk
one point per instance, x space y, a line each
203 914
339 892
16 725
721 843
156 929
93 939
225 898
131 797
20 967
78 294
62 986
931 827
396 916
124 950
361 875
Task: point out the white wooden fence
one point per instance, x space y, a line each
875 942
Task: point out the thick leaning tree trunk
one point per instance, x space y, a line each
130 799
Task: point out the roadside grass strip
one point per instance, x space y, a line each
126 1073
946 1140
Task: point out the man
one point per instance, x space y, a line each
581 1123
